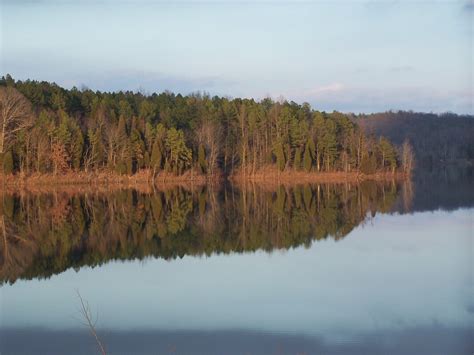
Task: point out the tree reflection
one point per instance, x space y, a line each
45 233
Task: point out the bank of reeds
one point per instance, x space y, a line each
269 175
272 175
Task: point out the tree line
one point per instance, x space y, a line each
49 129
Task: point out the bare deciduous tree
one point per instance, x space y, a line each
15 115
59 158
88 159
210 135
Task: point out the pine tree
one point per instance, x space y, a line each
138 149
156 155
297 160
388 154
180 156
280 156
329 143
158 150
76 144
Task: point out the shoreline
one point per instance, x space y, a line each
145 178
300 177
101 179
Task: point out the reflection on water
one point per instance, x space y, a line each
308 269
445 187
47 233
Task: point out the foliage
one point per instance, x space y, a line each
435 138
127 132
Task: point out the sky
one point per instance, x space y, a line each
351 56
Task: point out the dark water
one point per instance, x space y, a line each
365 268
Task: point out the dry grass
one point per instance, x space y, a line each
144 180
104 178
292 177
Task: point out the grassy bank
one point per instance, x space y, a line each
105 180
299 177
98 178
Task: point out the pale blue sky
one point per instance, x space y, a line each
346 55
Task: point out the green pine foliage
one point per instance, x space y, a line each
126 132
297 160
308 157
280 156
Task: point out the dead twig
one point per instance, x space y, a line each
86 314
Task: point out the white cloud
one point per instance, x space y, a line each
331 88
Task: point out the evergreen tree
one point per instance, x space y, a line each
138 149
158 149
128 131
180 156
307 159
329 143
280 156
388 154
297 161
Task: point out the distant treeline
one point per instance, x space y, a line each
54 130
436 138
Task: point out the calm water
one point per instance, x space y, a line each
313 269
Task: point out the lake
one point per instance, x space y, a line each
369 268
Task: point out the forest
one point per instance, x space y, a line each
46 129
437 139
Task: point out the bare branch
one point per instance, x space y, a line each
85 312
15 116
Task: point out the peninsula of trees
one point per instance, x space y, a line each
46 129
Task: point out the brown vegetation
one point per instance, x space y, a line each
271 175
106 178
145 179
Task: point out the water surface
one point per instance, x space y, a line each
330 269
